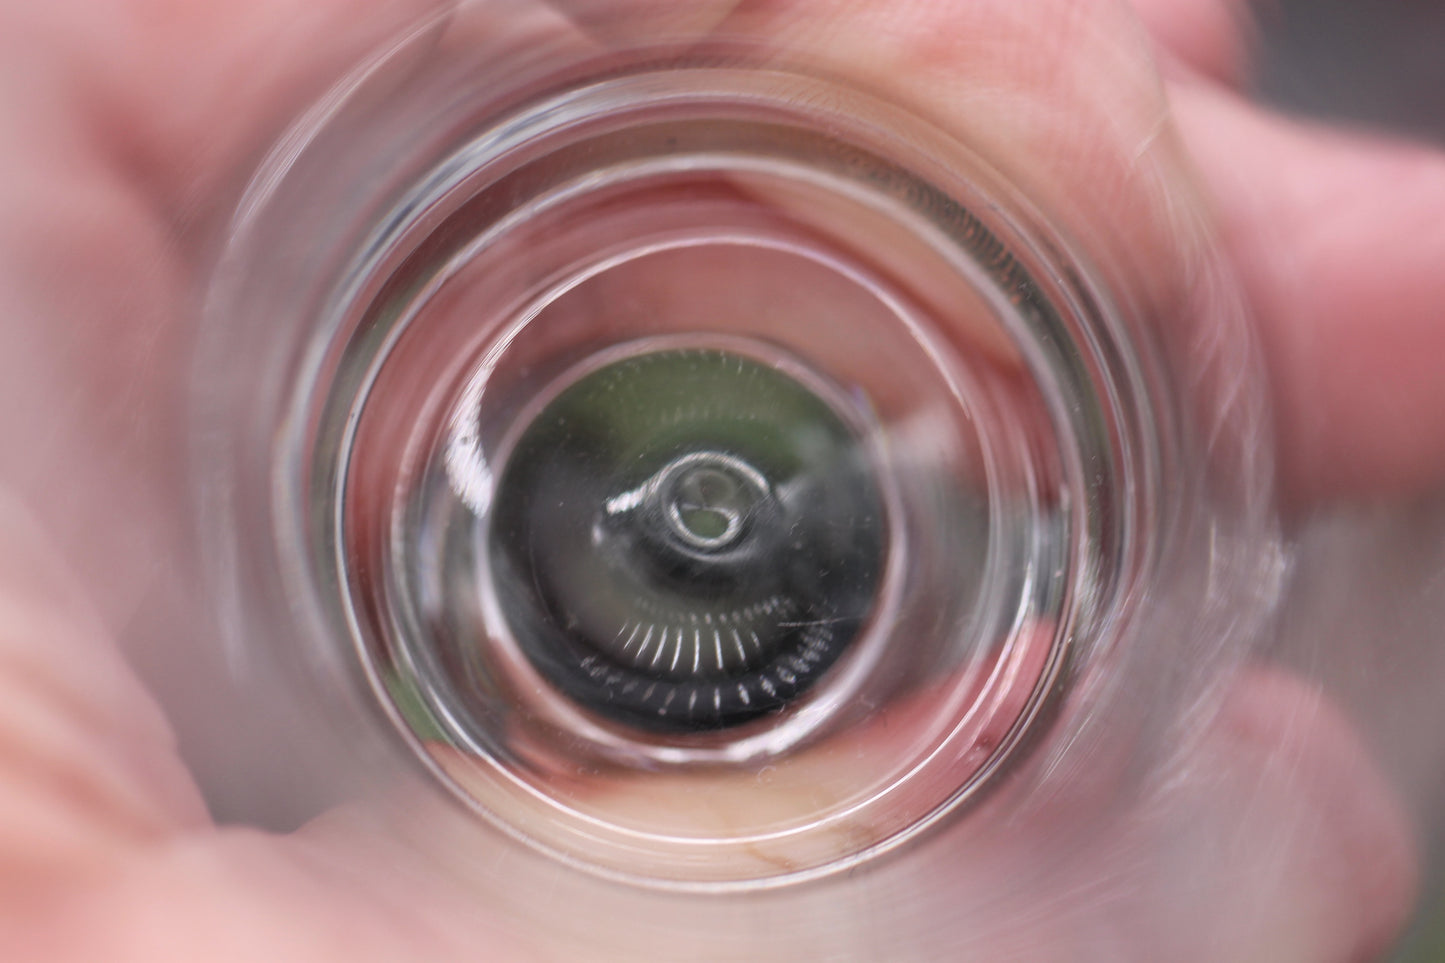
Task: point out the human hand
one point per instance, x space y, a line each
129 126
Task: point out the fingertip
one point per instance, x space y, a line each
1342 852
1214 39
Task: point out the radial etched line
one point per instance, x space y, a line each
738 644
646 645
628 644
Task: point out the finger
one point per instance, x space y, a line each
180 93
1210 38
1339 239
88 769
238 896
1283 830
1272 837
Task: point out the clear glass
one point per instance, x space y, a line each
1068 542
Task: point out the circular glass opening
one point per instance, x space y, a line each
685 540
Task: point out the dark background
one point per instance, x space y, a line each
1381 62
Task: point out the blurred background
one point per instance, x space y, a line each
1370 580
1378 62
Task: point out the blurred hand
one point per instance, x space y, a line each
124 127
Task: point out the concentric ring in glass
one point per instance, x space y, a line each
782 219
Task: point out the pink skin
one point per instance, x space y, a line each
123 128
